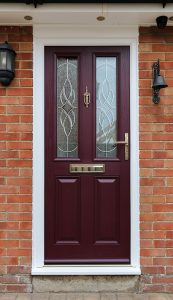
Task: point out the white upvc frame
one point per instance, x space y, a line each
48 35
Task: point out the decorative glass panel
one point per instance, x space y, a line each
106 117
67 107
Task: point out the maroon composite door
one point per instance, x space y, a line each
87 165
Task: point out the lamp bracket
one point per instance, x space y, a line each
158 82
156 69
156 97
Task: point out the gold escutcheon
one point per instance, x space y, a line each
86 97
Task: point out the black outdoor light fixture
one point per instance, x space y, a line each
161 22
158 82
7 63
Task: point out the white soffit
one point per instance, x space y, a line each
84 14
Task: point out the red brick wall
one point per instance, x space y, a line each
16 166
156 162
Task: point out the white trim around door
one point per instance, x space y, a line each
49 35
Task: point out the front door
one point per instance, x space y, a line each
87 166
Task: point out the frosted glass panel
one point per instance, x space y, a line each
106 118
67 107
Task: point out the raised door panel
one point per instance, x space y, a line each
107 210
67 211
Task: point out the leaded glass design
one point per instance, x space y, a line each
67 107
106 117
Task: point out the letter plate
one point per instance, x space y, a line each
87 168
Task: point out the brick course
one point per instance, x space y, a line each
16 166
156 162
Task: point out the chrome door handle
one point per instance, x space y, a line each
126 143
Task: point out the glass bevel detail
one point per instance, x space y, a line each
106 111
67 107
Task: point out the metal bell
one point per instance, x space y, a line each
159 82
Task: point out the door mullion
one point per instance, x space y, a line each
86 122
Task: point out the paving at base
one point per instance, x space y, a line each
86 296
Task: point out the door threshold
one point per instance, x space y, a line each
86 270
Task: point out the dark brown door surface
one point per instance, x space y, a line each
87 172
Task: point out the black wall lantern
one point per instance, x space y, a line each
7 63
158 82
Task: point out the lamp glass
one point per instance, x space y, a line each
10 60
3 60
7 63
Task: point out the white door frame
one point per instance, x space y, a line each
49 35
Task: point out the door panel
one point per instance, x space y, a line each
87 214
67 216
106 210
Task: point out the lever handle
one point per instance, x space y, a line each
126 143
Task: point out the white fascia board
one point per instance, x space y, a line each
85 7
